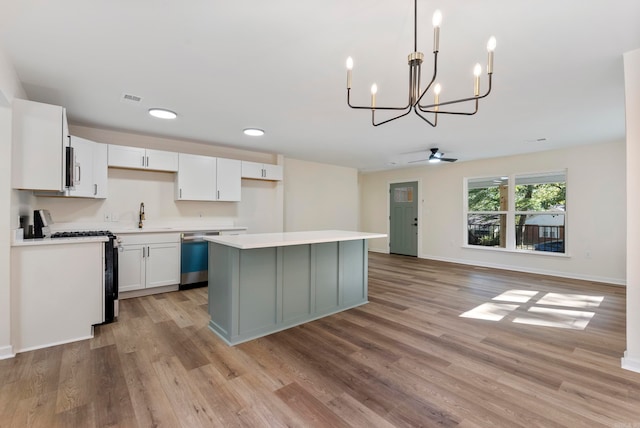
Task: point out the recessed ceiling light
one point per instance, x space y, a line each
162 113
254 132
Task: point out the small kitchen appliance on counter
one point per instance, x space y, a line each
41 223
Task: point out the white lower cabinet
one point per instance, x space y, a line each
148 260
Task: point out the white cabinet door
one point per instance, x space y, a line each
140 158
100 170
160 160
39 137
89 169
196 178
131 267
228 181
273 172
251 170
126 157
83 184
163 264
261 171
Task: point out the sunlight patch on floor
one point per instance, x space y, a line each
490 311
571 300
560 318
526 311
521 296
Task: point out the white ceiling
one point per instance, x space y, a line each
280 65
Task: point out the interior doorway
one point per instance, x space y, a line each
403 218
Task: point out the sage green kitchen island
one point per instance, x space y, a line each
263 283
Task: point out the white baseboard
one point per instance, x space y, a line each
6 352
632 364
606 280
62 342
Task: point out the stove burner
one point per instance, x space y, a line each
82 234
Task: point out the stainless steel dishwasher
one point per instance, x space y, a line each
194 259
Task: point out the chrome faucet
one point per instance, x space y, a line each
141 215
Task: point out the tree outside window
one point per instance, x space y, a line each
533 206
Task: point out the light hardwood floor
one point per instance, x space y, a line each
407 358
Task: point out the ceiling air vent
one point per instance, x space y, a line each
130 99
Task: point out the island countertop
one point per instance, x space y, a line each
281 239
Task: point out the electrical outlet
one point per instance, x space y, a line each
107 216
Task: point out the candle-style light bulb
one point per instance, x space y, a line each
349 68
477 70
491 46
374 90
437 20
436 90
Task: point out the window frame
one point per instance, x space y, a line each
511 213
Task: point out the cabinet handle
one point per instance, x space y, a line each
218 197
95 189
144 252
147 161
180 193
142 160
264 173
148 251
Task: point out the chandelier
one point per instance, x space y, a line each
415 94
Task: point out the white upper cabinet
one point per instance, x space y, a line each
159 160
39 138
228 182
196 178
139 158
206 178
100 170
261 171
89 169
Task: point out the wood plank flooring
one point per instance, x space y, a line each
405 359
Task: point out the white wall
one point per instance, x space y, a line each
596 208
631 359
10 88
320 197
260 209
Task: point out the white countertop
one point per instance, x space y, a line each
160 229
266 240
58 241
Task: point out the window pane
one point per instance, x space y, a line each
488 194
541 192
540 232
403 194
486 229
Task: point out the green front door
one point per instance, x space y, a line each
403 218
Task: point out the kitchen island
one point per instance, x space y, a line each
263 283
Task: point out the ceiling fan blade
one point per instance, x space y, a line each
418 160
448 159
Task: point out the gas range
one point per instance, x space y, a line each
82 234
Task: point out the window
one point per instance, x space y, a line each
488 205
521 212
403 194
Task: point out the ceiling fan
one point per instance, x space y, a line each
434 157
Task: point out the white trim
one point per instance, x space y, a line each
6 352
62 342
632 364
606 280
